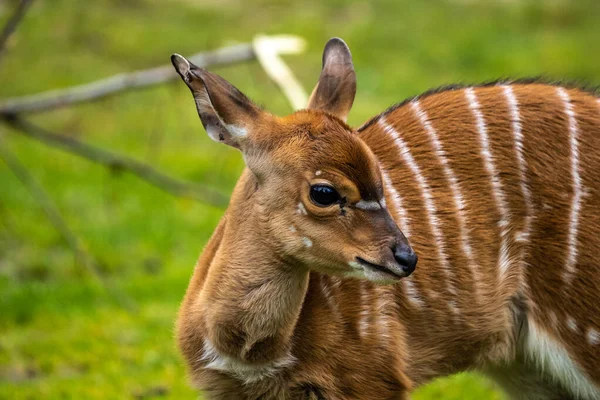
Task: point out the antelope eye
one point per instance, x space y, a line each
324 195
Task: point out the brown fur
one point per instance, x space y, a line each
260 294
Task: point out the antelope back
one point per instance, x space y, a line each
497 188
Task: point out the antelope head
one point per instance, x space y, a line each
316 187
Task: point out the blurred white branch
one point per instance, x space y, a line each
269 46
267 50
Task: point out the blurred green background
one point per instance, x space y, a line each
62 335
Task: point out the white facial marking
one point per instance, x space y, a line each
307 242
577 186
593 337
552 358
247 373
459 201
301 209
368 205
317 173
292 229
355 265
359 271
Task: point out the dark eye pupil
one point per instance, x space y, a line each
323 195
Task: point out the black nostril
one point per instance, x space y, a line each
406 257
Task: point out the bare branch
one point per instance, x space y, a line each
133 80
12 23
119 162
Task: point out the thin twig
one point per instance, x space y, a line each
12 23
54 216
135 80
50 209
119 162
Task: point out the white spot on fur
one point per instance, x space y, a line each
292 229
307 242
427 197
572 324
498 191
247 373
318 173
236 131
577 187
553 359
368 205
593 337
301 209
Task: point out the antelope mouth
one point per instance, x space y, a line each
380 269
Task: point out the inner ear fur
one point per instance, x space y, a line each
226 113
335 91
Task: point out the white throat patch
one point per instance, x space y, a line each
247 373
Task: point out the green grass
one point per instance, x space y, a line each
63 336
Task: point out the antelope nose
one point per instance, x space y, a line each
406 257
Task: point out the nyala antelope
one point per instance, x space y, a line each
305 289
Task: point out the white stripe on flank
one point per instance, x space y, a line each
409 287
459 202
327 292
365 310
412 292
398 204
515 117
428 199
577 189
498 193
385 312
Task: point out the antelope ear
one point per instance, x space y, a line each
226 113
336 88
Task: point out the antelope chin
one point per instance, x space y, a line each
375 272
